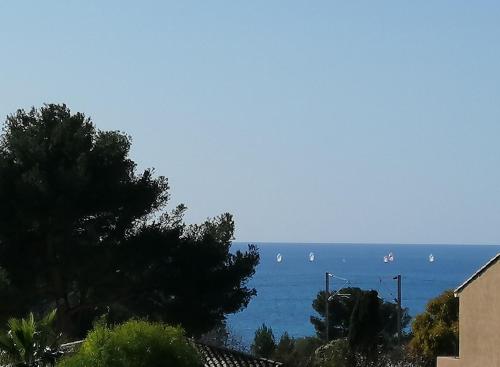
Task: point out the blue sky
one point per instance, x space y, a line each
320 121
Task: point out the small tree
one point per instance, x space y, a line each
264 343
29 342
284 349
435 331
223 336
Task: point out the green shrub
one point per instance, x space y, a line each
336 353
134 344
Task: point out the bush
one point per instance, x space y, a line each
134 344
336 353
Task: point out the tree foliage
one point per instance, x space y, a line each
29 342
134 344
83 231
296 352
365 325
223 336
435 331
336 353
264 343
284 351
341 310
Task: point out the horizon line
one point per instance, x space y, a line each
367 243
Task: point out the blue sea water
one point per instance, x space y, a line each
285 290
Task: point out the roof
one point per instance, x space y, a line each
212 356
223 357
477 274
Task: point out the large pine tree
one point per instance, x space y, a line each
83 231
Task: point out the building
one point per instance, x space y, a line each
479 319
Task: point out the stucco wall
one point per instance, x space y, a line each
479 322
448 362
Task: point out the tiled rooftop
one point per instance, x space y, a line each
222 357
212 356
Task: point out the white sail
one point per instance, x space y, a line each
279 258
311 256
431 258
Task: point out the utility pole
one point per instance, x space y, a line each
398 300
327 296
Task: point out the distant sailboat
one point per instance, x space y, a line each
386 259
311 256
390 257
431 258
279 258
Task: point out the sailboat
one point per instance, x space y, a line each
311 256
431 258
390 257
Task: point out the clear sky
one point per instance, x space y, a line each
317 121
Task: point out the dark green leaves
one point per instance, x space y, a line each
83 231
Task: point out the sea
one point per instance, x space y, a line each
290 275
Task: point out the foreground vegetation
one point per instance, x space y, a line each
134 344
32 342
366 335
